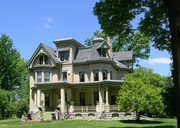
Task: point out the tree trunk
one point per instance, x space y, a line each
138 116
173 7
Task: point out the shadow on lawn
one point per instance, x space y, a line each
141 122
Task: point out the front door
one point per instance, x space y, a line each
82 99
47 100
96 97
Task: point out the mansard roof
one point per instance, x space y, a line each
121 56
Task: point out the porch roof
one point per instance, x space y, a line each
93 84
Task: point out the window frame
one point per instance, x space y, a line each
41 59
103 74
96 76
63 74
64 56
39 77
46 78
81 77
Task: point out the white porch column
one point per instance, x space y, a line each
107 98
51 98
62 99
35 100
100 98
68 94
38 97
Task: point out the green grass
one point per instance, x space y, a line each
156 123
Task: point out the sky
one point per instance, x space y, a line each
29 23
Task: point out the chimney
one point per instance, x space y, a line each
109 41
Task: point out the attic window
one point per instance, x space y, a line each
46 59
41 59
102 52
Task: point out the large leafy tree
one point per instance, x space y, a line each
3 101
137 42
10 64
160 21
141 92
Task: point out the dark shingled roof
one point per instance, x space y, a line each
51 52
83 55
126 55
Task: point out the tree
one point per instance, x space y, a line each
3 101
10 67
161 22
140 93
137 42
168 96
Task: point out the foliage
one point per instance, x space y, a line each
3 101
59 101
140 93
10 64
24 114
72 102
137 42
168 96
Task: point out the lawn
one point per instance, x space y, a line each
156 123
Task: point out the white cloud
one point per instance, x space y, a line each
48 19
158 60
47 26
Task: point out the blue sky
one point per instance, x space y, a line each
30 23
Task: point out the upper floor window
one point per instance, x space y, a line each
81 75
39 74
110 75
47 77
41 59
127 64
46 59
102 52
65 76
121 78
96 75
64 56
104 74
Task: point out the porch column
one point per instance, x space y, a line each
68 94
51 98
38 97
107 99
35 100
62 99
100 98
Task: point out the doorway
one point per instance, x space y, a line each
82 99
96 97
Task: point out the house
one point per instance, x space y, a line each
73 72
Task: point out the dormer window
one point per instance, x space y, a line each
41 59
102 52
46 59
64 55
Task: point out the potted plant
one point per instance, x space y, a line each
97 102
42 101
72 102
59 101
24 116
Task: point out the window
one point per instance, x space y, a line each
65 76
104 51
81 75
104 74
96 75
46 59
127 64
121 78
41 59
110 75
47 78
67 55
39 77
64 56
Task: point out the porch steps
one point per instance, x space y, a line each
47 115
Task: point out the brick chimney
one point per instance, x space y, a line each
109 41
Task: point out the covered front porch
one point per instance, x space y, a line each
98 96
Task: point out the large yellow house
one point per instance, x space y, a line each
73 72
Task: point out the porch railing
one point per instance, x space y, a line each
85 108
112 108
